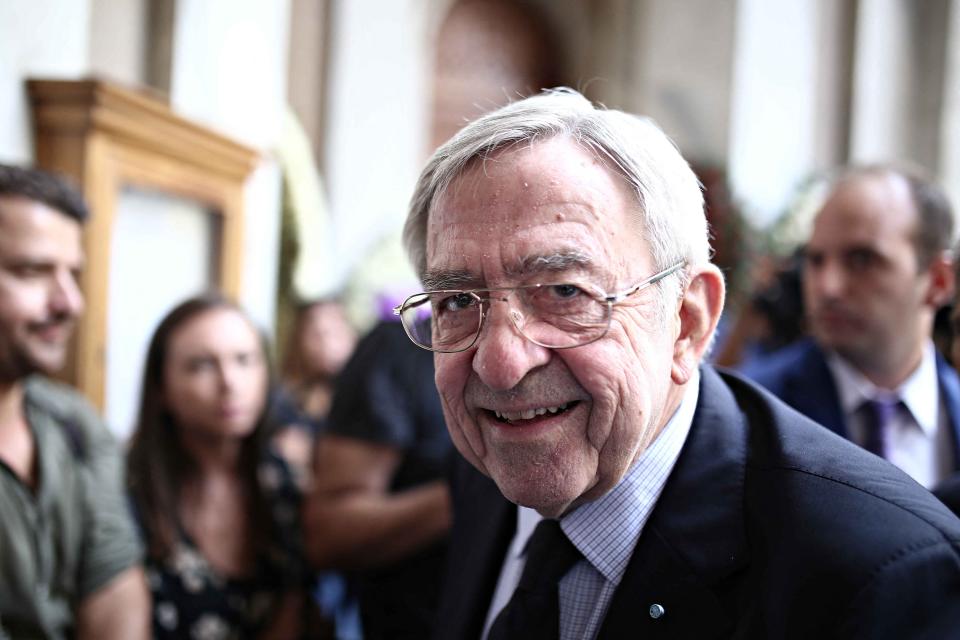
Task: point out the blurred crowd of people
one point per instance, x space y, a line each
311 500
253 505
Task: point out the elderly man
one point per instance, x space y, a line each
69 554
876 269
623 488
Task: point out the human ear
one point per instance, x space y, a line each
699 312
941 286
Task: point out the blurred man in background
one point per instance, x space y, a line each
876 269
69 555
380 506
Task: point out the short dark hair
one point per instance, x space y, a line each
934 230
44 187
934 218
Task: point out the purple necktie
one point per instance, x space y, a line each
878 414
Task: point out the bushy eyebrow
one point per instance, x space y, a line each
441 280
551 263
30 262
560 262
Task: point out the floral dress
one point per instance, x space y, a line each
193 602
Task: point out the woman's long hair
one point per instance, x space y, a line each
158 466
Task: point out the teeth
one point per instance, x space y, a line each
528 414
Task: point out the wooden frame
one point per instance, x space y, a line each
106 137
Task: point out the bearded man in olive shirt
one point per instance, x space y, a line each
69 555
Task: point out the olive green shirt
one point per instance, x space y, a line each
67 538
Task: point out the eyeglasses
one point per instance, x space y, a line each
556 316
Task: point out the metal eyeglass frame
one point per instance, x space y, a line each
611 300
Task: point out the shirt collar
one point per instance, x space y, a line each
607 529
920 392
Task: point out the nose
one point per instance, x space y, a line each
503 355
828 279
66 299
228 377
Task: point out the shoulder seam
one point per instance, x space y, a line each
895 558
943 535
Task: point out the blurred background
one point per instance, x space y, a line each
269 147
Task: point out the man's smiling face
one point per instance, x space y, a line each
40 260
595 408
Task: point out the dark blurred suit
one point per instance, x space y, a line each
799 376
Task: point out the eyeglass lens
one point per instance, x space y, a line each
557 316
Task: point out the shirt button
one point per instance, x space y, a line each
656 611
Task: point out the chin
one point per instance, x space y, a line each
243 431
549 502
842 344
547 488
49 366
230 431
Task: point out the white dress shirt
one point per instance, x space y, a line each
918 439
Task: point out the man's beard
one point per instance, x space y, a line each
17 360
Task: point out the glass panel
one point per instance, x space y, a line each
163 249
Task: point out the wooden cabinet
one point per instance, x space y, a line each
112 140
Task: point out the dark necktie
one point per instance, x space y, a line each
878 415
533 612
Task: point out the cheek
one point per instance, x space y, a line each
254 377
180 405
338 350
628 382
619 400
9 320
187 395
258 389
808 288
20 302
452 372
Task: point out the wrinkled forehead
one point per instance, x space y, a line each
530 176
553 199
554 161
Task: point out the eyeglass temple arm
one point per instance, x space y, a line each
655 278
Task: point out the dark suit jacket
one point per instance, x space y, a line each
799 376
768 527
949 493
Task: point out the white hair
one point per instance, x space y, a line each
668 193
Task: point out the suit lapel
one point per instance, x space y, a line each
811 390
950 392
695 538
483 529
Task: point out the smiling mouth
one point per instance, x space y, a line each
514 417
52 331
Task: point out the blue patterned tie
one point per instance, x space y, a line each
534 609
